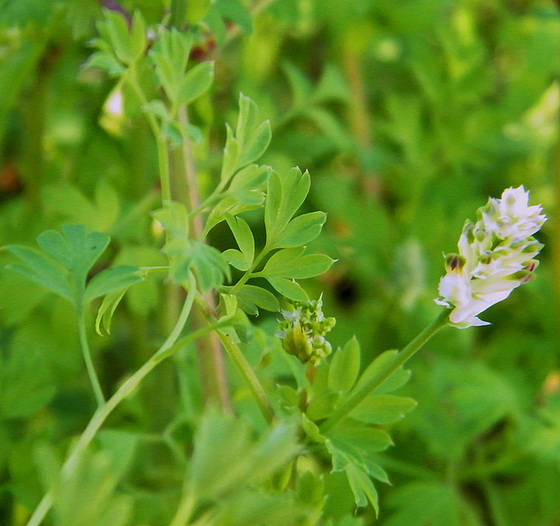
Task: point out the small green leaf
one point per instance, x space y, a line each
170 56
301 230
284 196
259 297
248 184
228 205
128 45
244 237
106 62
137 36
208 263
196 82
383 409
250 141
356 439
345 367
322 406
237 259
110 280
362 487
282 263
289 263
288 288
41 269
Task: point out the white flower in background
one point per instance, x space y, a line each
495 256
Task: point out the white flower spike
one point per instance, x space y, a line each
496 255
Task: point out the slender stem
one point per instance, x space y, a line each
248 375
161 142
358 395
185 509
190 174
104 410
250 273
93 378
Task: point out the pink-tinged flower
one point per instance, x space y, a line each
496 255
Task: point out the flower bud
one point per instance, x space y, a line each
303 332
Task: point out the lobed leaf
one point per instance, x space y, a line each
284 196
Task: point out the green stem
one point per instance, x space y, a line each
93 378
161 142
104 410
184 511
250 273
163 164
357 396
248 375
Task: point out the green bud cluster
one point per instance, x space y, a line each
303 331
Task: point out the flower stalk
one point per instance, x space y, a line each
359 395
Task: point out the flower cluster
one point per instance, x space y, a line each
303 331
495 256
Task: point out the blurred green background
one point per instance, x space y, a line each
408 115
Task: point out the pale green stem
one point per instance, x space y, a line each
246 371
184 511
163 158
357 396
93 378
108 407
250 273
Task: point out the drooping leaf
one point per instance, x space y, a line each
107 309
